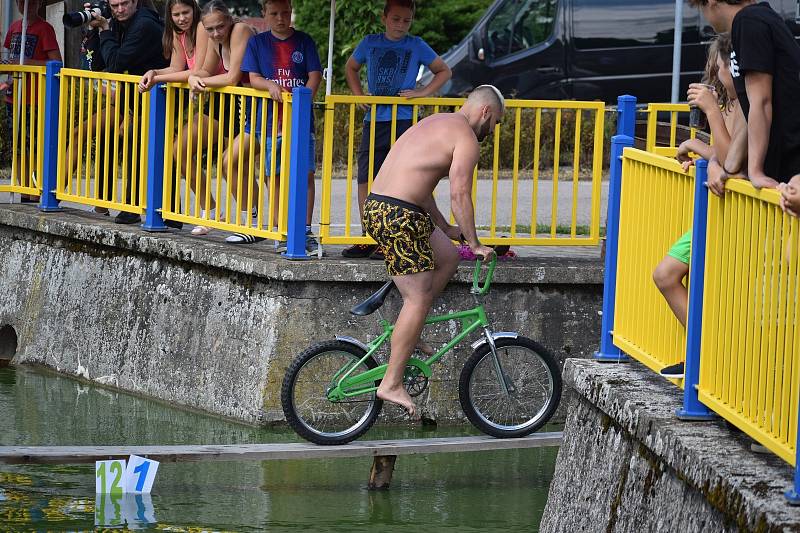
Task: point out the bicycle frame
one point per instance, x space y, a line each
348 385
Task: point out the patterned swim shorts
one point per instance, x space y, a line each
403 231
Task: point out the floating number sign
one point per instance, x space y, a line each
110 476
136 510
118 476
140 474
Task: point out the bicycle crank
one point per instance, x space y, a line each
414 381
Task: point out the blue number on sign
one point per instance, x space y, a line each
142 471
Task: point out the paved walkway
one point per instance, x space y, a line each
482 213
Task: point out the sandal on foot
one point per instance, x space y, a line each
200 230
242 238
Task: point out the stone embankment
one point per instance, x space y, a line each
210 326
627 464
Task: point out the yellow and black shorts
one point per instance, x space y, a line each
403 231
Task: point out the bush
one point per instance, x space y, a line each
506 151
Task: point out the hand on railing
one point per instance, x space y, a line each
716 177
147 81
196 85
790 196
412 93
276 91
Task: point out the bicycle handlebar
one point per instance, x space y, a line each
476 286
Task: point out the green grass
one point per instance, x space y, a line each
561 229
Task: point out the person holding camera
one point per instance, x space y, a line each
130 43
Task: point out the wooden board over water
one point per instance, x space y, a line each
268 452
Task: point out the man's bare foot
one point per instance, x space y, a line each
399 396
425 348
763 182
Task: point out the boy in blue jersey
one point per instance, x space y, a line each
393 59
277 61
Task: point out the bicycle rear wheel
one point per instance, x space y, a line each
304 395
534 383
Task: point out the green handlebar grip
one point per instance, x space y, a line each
489 273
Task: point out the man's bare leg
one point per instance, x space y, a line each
417 298
418 292
668 277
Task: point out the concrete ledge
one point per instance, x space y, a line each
210 326
627 464
256 261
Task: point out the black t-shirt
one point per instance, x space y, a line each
762 42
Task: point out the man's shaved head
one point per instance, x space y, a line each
488 95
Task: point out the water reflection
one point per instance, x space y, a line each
457 491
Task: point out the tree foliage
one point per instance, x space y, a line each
442 23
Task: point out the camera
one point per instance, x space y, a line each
79 18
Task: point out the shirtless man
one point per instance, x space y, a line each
400 214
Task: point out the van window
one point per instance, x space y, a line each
621 23
520 24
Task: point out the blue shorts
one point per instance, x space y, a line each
268 154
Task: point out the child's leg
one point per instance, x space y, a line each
239 150
310 198
669 274
668 277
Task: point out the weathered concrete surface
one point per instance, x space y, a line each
627 464
213 327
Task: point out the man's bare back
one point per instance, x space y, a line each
422 156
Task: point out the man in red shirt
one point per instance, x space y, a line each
40 47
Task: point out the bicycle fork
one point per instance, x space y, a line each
505 384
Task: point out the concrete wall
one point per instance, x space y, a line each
213 327
628 465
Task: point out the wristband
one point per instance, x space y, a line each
726 171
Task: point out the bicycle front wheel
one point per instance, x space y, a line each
304 394
531 395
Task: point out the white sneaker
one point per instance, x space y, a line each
203 230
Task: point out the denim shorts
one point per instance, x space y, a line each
268 154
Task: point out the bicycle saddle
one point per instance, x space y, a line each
373 303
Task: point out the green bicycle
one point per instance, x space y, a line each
509 387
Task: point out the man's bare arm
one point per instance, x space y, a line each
734 160
759 121
465 158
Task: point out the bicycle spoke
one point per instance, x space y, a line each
529 385
314 375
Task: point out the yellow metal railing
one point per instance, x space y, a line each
518 213
26 121
228 183
103 132
750 354
656 208
654 111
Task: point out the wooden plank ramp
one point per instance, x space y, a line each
270 452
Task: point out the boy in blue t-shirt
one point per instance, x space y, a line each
277 61
393 59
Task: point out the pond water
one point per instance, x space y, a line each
477 491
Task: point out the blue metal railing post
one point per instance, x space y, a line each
626 121
692 408
298 173
155 159
52 92
793 494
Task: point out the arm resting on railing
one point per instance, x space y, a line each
759 122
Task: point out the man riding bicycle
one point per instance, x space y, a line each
401 215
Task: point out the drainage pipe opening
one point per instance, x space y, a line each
8 342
